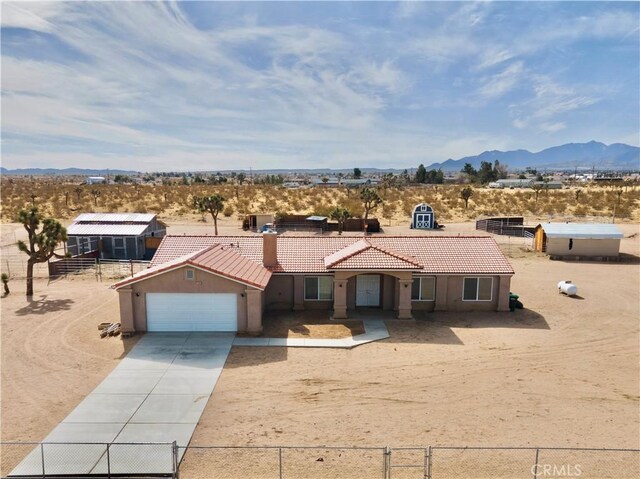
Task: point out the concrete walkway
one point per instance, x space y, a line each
156 394
375 329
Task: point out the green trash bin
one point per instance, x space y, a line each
513 301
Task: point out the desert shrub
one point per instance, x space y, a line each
228 211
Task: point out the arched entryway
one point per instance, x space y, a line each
367 290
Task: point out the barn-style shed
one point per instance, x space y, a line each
115 235
423 217
578 240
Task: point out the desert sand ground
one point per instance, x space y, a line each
562 372
52 354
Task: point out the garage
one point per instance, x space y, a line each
192 312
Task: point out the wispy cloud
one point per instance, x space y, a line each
31 15
550 101
500 83
262 88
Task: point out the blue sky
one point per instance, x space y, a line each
232 85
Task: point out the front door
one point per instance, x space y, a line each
368 290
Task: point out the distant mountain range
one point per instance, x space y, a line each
65 172
616 156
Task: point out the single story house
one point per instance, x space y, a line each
256 221
578 240
348 182
94 180
225 283
115 235
525 183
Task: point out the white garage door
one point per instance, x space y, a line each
192 312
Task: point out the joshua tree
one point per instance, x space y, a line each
214 204
42 244
618 192
66 199
33 197
78 192
370 199
465 194
5 283
578 193
537 188
96 194
340 215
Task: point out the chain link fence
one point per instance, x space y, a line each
67 459
314 462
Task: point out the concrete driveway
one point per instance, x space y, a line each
156 394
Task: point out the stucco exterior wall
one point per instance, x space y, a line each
284 292
423 305
454 300
583 247
279 293
125 298
387 295
174 282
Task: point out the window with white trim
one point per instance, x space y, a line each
423 288
189 274
318 288
477 289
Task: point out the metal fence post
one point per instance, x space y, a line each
108 462
175 455
535 464
387 462
42 457
280 463
427 460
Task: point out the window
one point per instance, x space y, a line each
119 248
423 288
189 274
318 288
85 245
477 289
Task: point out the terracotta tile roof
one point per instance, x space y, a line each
306 254
222 260
363 255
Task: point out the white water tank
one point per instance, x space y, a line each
568 288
